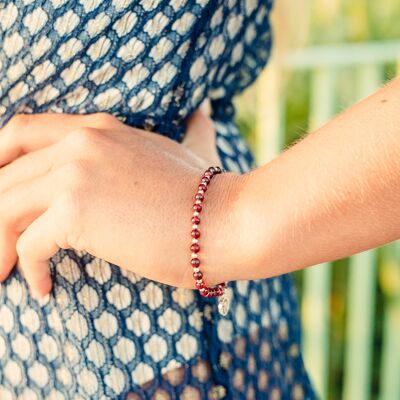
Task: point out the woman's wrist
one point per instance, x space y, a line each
245 231
221 252
252 237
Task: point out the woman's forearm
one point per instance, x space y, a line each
334 193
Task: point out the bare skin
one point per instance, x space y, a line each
125 195
99 175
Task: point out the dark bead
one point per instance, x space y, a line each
212 170
200 285
195 248
207 174
197 275
195 220
197 207
195 262
199 196
202 187
218 170
195 233
205 180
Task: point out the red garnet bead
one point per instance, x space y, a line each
195 220
205 291
197 275
195 233
197 207
195 248
195 262
200 285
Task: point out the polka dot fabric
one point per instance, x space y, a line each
106 333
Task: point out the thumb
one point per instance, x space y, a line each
200 136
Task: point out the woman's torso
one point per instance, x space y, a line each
106 333
150 62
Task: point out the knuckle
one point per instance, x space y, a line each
13 130
84 138
20 121
22 247
104 119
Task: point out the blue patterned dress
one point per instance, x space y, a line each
106 333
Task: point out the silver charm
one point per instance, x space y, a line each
223 305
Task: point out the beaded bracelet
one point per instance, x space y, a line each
218 290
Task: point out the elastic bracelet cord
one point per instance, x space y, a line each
220 289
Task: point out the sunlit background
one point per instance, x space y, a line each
328 54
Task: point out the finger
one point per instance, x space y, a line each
34 164
200 137
19 206
8 253
206 107
25 133
200 126
35 247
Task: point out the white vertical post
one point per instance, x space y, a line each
361 291
390 366
317 279
270 114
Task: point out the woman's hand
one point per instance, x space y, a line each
93 184
26 133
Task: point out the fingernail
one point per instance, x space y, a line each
36 295
39 296
45 299
205 107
